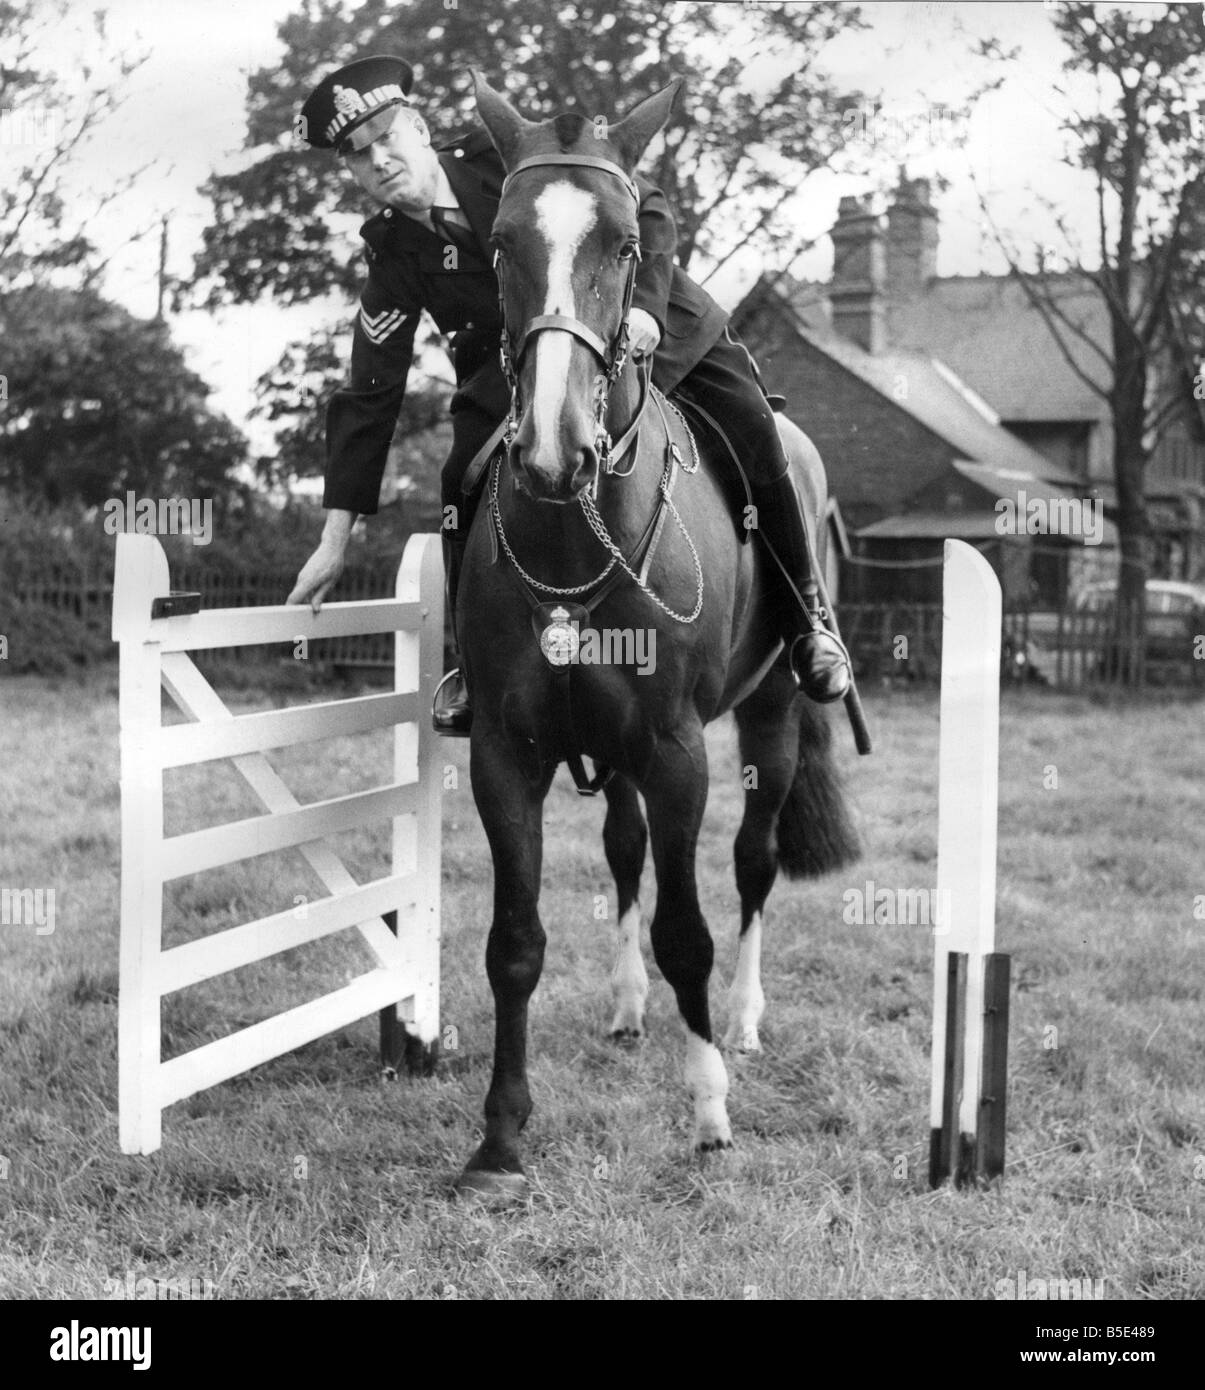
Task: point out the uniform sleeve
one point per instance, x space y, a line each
361 416
658 243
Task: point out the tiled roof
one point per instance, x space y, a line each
987 330
930 392
984 327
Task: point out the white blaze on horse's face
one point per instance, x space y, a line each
565 216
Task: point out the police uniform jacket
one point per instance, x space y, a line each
408 271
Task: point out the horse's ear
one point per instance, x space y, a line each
631 136
500 118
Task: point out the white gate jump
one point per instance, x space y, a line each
970 978
405 981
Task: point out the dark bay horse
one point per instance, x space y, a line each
542 588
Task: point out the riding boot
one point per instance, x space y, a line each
819 661
453 716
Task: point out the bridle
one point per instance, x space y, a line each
549 618
613 355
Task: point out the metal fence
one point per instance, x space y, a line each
89 597
1066 649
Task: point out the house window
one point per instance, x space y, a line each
1064 443
1047 573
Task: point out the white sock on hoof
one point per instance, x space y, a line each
746 1002
708 1083
629 978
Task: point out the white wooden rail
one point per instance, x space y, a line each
406 974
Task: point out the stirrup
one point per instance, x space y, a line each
813 685
455 719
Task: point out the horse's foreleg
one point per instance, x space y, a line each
511 811
625 837
769 743
675 793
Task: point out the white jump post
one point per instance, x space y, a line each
970 980
397 916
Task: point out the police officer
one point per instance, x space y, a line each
427 248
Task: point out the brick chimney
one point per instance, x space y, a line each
856 292
911 238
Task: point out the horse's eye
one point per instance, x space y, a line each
628 250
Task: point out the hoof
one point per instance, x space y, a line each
626 1037
494 1189
743 1038
711 1146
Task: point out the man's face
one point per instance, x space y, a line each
399 168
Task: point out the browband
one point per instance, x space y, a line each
575 160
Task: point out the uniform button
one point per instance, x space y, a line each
470 325
458 154
388 212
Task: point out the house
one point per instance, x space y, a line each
934 400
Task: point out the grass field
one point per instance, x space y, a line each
311 1178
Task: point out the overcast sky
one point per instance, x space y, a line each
184 115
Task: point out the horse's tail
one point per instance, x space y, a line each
815 831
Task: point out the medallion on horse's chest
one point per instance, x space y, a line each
559 641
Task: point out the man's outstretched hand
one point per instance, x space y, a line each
325 565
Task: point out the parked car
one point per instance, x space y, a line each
1175 614
1074 645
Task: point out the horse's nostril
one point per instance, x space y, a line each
587 467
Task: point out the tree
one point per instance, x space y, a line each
729 151
289 394
1143 145
98 402
281 221
44 120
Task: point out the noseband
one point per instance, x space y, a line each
612 356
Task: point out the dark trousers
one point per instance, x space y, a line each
725 384
471 427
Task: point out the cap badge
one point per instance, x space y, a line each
349 102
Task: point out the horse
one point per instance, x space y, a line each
603 504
